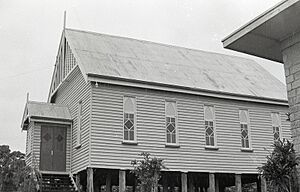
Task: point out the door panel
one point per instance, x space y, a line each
53 148
46 148
59 149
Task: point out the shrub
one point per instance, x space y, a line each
148 172
280 169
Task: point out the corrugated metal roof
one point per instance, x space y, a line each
48 110
133 59
43 110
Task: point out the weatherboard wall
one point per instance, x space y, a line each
34 140
29 142
70 92
107 150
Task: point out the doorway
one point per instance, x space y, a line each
53 147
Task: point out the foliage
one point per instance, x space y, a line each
148 172
280 168
15 176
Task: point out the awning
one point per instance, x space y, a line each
263 35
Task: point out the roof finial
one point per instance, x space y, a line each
65 19
27 98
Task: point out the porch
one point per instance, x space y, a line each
48 142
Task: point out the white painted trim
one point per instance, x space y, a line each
71 147
47 120
90 122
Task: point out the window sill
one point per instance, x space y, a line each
130 142
172 145
77 146
246 150
211 148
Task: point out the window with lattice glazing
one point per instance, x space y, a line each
129 119
209 121
244 124
276 124
171 122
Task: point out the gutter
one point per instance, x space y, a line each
182 89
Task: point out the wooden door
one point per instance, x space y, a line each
46 148
59 148
53 148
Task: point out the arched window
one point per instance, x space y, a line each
244 124
129 119
209 118
276 126
171 122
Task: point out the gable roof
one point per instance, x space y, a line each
41 110
137 60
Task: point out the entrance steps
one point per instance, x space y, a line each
57 183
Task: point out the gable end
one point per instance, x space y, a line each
64 65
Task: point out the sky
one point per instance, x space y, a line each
30 32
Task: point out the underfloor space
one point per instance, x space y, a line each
113 180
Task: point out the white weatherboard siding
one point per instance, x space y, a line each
36 144
29 142
107 126
70 93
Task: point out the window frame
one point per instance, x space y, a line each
248 128
79 124
280 126
134 141
176 144
215 146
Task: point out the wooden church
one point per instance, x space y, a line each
211 117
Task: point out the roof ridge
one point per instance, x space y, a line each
161 44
